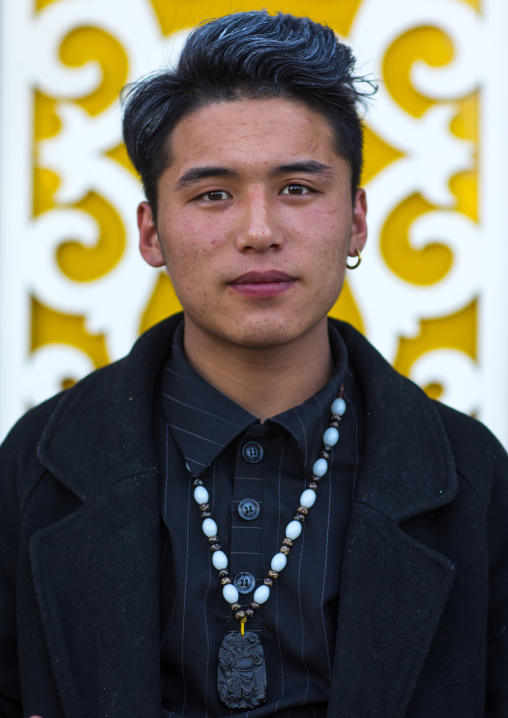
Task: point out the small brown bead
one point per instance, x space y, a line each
273 574
249 612
316 479
324 454
206 514
299 517
235 607
313 485
204 507
303 510
268 582
285 550
335 424
223 573
288 542
198 482
327 447
215 547
213 539
240 614
254 605
225 580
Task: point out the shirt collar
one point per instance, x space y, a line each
204 421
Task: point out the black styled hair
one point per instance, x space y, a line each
246 55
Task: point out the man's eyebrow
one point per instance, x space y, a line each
307 166
196 174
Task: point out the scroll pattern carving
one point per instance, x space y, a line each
75 259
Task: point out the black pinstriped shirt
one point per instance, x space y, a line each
204 434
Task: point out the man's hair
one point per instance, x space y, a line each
247 55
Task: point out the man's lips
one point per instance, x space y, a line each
262 284
262 278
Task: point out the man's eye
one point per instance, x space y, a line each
215 195
295 189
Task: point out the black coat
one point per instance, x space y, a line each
423 615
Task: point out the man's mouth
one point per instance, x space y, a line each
263 284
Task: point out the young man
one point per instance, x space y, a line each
186 532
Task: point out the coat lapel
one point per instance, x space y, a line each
394 591
96 570
394 588
96 577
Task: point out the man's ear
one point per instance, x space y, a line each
359 226
149 244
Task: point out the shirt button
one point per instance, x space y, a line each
244 582
252 452
248 509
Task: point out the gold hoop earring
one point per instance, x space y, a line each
358 261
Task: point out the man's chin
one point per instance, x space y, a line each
266 335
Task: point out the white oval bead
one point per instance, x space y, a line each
308 498
219 560
320 467
331 436
230 593
339 407
293 529
209 527
261 594
279 562
200 495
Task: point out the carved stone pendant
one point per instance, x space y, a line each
241 671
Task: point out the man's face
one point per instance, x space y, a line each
255 221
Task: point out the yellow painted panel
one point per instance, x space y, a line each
50 327
465 124
423 43
46 121
421 267
172 16
465 188
45 185
119 154
458 331
84 264
41 4
345 308
91 43
377 155
162 304
426 267
476 4
46 124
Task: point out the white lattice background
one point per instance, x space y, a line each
431 293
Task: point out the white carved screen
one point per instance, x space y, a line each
390 306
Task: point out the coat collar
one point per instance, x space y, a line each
408 467
204 421
394 588
102 430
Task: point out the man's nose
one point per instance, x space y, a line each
259 230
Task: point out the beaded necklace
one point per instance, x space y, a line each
241 670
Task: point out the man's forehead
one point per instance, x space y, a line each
273 135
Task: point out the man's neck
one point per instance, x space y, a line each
263 380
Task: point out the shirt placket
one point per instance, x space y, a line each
247 510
